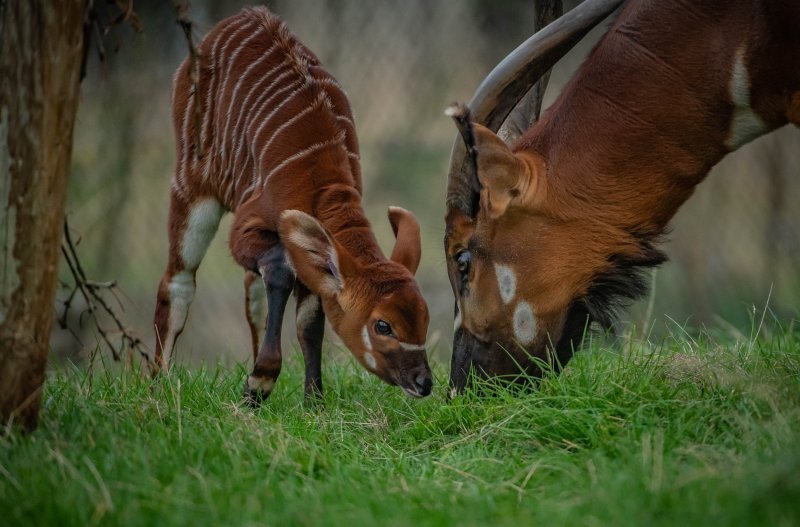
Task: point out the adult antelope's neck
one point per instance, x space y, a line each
662 98
338 207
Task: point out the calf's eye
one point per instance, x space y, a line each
383 328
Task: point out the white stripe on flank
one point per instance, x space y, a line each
263 102
289 122
276 109
251 120
346 119
246 108
231 62
330 82
180 177
242 107
214 73
299 155
241 140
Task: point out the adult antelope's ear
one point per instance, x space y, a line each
503 176
408 248
317 260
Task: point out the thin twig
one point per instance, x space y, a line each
92 293
95 29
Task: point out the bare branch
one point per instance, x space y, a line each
182 8
95 29
92 293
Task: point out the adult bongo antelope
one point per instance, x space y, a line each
553 233
279 150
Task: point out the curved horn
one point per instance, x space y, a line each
509 81
527 110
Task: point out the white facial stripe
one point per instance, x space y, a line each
506 282
203 221
412 347
365 336
746 125
370 360
524 323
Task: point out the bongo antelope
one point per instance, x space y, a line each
279 150
553 232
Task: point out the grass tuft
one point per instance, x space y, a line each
697 430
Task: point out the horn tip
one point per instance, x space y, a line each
457 110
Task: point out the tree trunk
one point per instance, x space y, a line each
41 47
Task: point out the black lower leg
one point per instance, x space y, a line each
310 330
279 280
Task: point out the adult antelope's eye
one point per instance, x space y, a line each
463 260
383 328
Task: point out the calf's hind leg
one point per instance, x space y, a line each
192 225
279 280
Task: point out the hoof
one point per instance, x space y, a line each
257 390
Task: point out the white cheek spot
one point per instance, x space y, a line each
457 321
370 360
365 337
200 228
506 282
524 323
746 125
306 311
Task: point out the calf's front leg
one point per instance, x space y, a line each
310 330
279 280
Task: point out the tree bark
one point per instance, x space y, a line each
41 47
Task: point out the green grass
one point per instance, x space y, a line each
702 431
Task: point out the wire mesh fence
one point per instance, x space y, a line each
734 244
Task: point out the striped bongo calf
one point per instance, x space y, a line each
279 150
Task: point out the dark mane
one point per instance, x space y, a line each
608 294
626 282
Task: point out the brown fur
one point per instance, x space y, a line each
622 148
278 136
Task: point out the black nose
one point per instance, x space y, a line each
424 383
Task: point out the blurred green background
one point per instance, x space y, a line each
401 64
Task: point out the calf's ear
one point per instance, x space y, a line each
407 248
317 259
